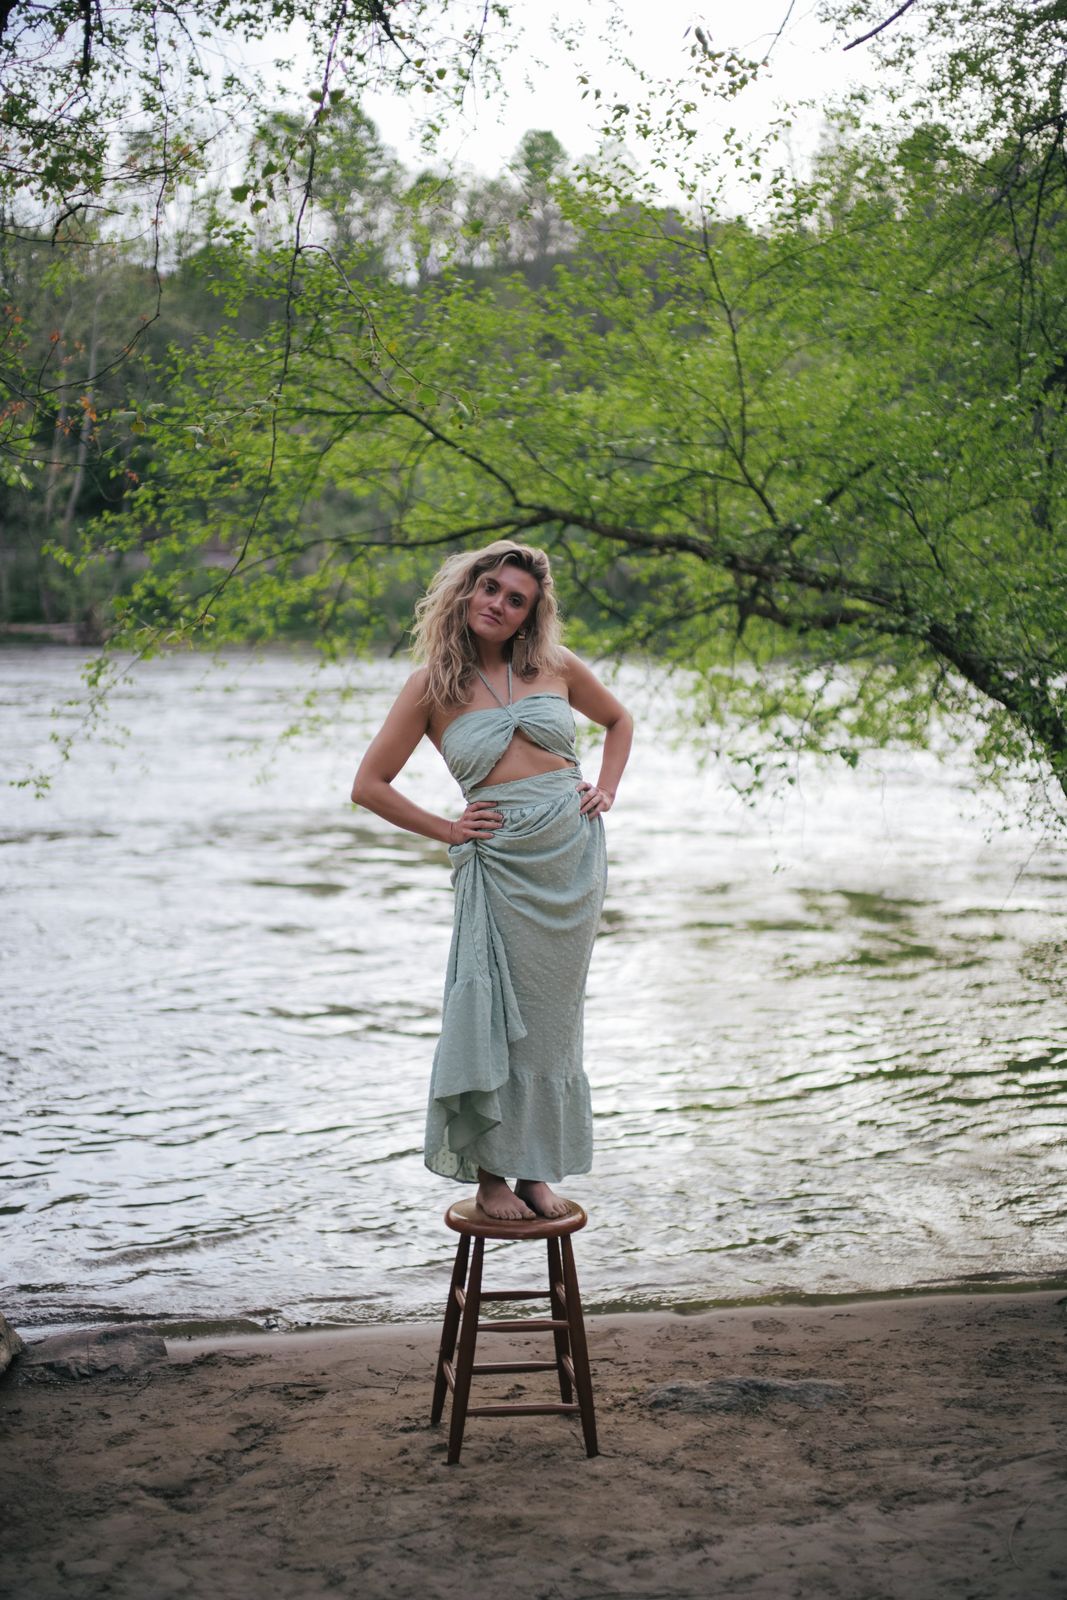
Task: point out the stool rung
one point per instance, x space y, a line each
515 1294
521 1325
514 1366
522 1411
507 1294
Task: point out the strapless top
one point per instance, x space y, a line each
474 742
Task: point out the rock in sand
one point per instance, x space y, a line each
119 1351
746 1394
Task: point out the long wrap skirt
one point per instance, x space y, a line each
508 1090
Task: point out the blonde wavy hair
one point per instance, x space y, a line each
440 638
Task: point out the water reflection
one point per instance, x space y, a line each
826 1039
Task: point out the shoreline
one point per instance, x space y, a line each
721 1318
207 1327
905 1447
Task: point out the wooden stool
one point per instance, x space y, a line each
465 1299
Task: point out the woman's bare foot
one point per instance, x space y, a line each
498 1200
540 1197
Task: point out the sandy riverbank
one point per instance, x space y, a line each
294 1467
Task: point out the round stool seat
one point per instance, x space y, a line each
466 1216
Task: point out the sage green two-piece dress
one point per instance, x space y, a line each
508 1090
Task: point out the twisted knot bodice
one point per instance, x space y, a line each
474 742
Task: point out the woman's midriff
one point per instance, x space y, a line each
523 759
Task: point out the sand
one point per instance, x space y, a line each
303 1466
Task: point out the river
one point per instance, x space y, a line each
826 1035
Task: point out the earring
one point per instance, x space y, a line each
521 634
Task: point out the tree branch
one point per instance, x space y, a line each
882 26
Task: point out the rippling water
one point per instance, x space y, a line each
827 1039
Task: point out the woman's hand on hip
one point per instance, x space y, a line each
595 801
479 821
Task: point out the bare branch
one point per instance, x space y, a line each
882 26
781 29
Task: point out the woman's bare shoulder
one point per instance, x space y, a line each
415 690
413 701
437 716
572 667
588 694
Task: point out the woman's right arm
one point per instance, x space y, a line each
388 753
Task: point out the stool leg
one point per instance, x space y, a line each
579 1349
555 1277
468 1338
450 1328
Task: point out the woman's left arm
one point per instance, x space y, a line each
589 696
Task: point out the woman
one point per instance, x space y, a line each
508 1095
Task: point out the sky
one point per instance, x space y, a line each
540 78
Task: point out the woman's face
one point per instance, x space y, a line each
502 600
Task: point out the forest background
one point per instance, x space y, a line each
810 444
